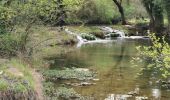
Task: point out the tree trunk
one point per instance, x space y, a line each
121 11
155 13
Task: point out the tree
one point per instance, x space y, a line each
155 11
121 10
167 8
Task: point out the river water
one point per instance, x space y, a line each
117 76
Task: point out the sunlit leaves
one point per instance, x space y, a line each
157 56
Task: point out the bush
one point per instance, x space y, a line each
6 19
157 57
9 44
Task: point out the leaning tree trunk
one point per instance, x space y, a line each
121 11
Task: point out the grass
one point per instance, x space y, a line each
11 81
25 69
84 29
3 85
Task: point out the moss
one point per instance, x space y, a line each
88 36
99 34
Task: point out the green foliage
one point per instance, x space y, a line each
96 11
9 44
7 15
157 57
88 36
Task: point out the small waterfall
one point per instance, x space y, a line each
79 38
121 34
110 30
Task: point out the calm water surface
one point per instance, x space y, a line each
112 63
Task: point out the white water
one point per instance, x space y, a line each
79 38
110 30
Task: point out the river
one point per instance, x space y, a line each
117 76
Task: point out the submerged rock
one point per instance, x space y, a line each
118 97
86 83
96 79
82 69
134 93
141 98
81 84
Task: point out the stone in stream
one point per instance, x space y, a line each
118 97
141 98
95 79
81 84
82 69
135 92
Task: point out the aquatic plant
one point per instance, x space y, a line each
58 93
68 74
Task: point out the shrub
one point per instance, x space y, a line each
9 44
157 57
6 19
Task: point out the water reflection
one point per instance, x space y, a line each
117 77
